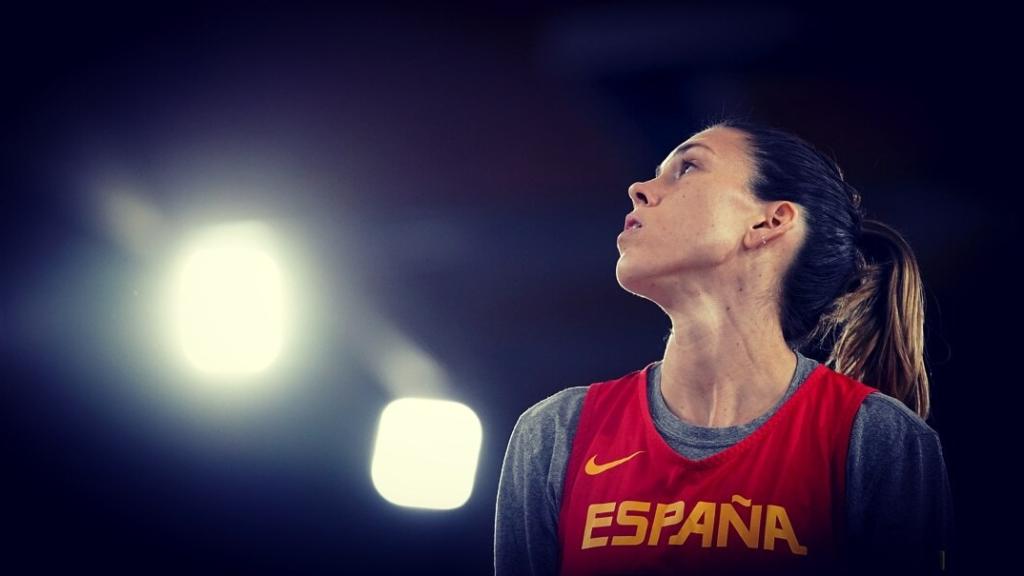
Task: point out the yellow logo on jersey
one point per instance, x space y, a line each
768 524
593 468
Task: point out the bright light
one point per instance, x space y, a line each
229 302
426 453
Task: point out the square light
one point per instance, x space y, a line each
426 453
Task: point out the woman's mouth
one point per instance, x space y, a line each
632 223
630 231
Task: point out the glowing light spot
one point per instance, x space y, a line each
426 453
229 302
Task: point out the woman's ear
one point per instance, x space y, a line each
778 218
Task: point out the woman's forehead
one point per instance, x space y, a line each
720 141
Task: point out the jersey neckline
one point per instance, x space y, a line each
732 451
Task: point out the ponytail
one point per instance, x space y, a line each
880 321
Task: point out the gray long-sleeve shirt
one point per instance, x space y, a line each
898 498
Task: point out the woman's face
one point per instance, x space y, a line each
696 213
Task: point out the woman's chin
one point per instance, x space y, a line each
628 275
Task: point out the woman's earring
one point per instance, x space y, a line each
763 242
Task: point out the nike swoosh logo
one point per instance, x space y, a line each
593 468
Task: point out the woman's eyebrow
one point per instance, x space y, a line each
684 147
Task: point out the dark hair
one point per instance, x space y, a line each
853 280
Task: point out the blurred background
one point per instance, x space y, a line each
433 196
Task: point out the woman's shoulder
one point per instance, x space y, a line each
889 440
886 415
543 435
559 409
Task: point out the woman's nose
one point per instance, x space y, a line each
637 195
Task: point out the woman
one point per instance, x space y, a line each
736 453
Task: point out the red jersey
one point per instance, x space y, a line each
771 503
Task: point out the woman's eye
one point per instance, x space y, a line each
684 165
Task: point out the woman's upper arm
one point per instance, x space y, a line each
899 500
526 515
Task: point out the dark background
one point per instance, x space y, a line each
466 170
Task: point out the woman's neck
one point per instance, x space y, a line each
724 390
